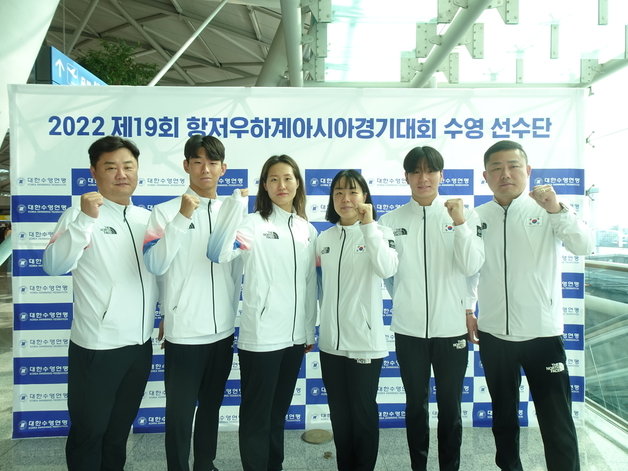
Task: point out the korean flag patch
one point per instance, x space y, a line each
536 221
448 228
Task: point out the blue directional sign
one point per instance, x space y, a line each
56 68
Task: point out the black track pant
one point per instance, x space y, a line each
195 373
351 394
267 380
544 361
448 356
105 388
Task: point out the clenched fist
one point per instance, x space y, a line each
365 213
455 208
546 198
188 204
91 203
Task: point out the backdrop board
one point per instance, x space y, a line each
324 130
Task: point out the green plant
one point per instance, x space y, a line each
114 64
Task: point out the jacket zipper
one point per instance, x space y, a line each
506 275
139 269
427 304
343 235
294 255
211 267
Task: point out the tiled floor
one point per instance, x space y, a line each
602 447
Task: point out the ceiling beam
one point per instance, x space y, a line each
291 13
463 20
183 48
152 42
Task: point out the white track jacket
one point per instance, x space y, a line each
353 261
114 294
430 291
520 283
199 299
279 288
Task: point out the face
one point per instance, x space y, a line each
424 184
116 175
281 185
346 200
204 173
507 175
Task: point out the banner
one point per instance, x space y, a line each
325 130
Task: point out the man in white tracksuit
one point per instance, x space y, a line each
110 353
439 245
199 304
520 309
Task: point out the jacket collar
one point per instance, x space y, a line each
118 208
282 214
435 206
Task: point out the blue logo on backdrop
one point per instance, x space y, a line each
28 263
387 311
456 182
577 388
157 368
385 204
232 179
149 202
573 285
318 181
315 391
479 200
573 336
566 181
35 316
467 389
482 414
41 424
295 418
38 208
390 366
82 181
40 370
150 420
392 415
232 393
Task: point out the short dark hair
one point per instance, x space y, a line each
352 178
263 203
501 146
425 155
110 144
212 145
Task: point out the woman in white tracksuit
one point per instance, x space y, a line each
355 255
278 317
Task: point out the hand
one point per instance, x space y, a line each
91 203
546 198
160 336
244 192
472 327
308 348
365 213
188 204
455 208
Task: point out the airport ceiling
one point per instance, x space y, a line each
355 43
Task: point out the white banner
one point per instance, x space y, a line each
324 130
